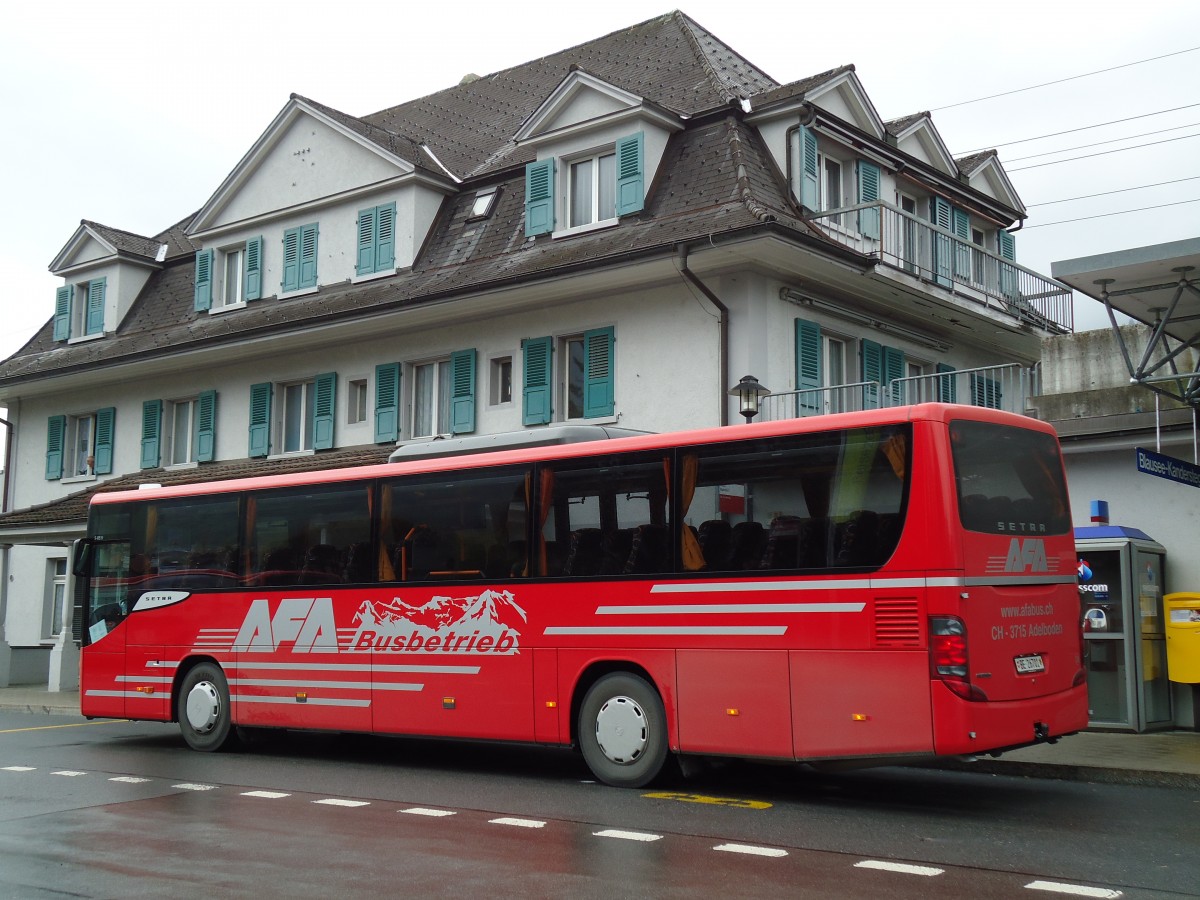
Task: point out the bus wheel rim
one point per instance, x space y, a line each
621 730
203 707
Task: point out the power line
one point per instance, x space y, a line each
1128 137
1106 215
1102 153
1140 187
1073 130
1061 80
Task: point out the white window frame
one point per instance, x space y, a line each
171 416
357 398
79 306
226 295
440 391
72 448
307 388
563 375
910 233
55 616
596 158
500 376
835 372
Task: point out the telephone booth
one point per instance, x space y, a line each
1121 595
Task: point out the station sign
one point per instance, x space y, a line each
1151 463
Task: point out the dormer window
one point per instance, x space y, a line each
593 190
229 276
79 309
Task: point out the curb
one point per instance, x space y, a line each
1068 772
43 708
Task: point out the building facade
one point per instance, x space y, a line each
613 234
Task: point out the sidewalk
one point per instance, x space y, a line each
1170 758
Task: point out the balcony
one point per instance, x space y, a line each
901 241
1006 387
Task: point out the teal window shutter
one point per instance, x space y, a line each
95 306
539 197
366 241
961 226
598 383
260 419
631 181
252 278
385 237
291 260
1007 244
868 192
939 213
462 392
947 389
325 389
872 370
387 403
985 391
893 370
204 280
102 457
62 312
808 167
151 432
206 427
808 367
308 256
56 435
537 406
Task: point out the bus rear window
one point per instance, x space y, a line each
1009 480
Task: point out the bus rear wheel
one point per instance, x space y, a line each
623 730
203 709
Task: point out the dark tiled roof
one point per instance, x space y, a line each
126 241
797 89
671 59
73 508
176 239
714 178
896 126
969 163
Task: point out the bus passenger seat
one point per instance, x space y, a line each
783 543
584 556
357 565
857 539
746 545
715 540
321 565
649 552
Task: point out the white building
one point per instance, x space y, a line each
612 234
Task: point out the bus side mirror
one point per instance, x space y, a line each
81 557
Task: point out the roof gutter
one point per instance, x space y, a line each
7 463
722 329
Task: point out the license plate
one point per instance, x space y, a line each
1028 664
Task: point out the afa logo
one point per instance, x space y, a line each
484 624
1026 555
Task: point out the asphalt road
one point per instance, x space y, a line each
119 809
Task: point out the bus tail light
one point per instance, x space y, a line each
948 656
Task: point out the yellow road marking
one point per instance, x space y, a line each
713 801
70 725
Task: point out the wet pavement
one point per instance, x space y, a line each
1169 758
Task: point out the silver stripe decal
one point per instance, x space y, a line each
335 685
683 630
689 608
840 584
311 701
355 667
154 678
1018 580
126 694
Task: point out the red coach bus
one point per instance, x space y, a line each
878 586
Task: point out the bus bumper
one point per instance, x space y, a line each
965 727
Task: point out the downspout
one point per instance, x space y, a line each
722 331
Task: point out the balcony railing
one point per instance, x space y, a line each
902 241
1006 387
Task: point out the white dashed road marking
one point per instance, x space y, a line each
903 868
519 823
266 795
421 811
20 768
188 786
129 779
627 835
1076 890
69 773
751 851
334 801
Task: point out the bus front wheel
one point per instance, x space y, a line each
203 709
623 730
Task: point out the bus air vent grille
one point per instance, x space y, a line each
897 622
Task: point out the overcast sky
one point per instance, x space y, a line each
132 113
